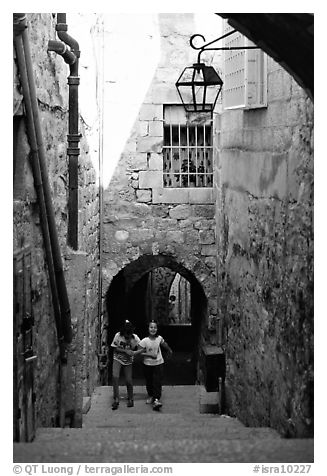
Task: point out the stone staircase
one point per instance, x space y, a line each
179 433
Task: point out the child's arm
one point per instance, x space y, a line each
139 350
142 350
165 346
122 349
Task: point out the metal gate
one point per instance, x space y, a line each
24 397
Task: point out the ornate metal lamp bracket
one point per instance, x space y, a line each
206 45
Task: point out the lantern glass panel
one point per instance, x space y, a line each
199 87
187 76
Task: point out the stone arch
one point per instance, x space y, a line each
191 267
125 298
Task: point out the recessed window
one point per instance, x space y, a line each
187 148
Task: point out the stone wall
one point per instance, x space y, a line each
142 229
161 279
265 257
141 217
52 93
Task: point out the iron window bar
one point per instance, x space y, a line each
188 151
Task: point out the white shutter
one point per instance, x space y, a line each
245 74
234 71
256 77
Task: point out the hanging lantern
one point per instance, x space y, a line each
198 87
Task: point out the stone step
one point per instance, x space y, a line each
134 417
159 429
98 450
179 433
180 399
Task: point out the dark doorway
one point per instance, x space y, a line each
135 294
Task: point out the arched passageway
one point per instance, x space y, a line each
142 291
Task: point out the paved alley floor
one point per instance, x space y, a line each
179 433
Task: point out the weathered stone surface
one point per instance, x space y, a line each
150 179
160 211
77 368
211 262
143 128
187 223
207 237
204 224
155 162
167 224
180 212
121 235
265 260
141 235
204 211
135 184
201 195
151 112
263 206
176 236
164 93
170 195
261 175
163 228
138 161
155 128
149 144
143 196
17 94
208 250
50 74
192 237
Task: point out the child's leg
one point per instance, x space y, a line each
157 381
115 379
148 374
129 380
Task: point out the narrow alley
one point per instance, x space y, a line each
178 434
163 170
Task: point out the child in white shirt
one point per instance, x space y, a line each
153 364
125 345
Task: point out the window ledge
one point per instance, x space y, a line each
183 195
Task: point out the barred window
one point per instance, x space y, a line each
187 148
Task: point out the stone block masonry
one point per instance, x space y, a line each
167 229
143 196
131 229
151 112
265 258
169 222
151 221
150 179
51 74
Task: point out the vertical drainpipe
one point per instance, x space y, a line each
19 33
55 268
73 137
68 48
27 68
